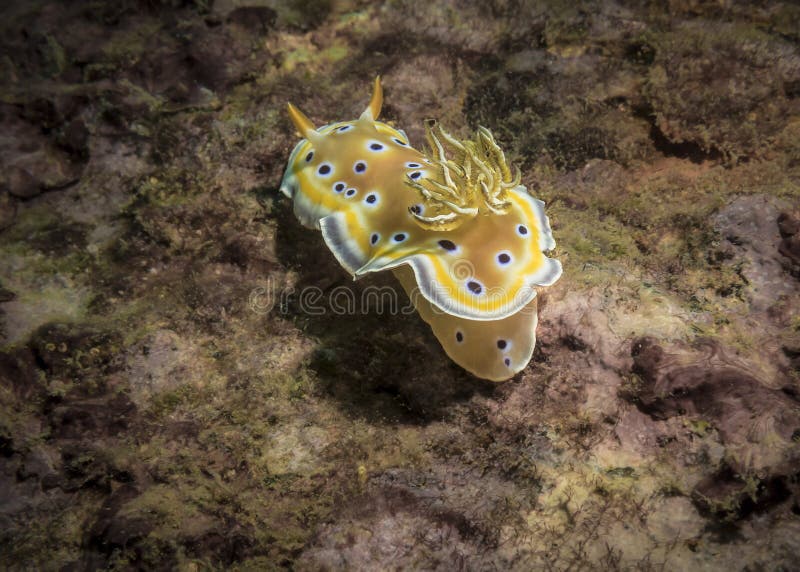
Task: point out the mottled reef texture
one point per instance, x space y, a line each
156 412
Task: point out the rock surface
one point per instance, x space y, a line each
171 398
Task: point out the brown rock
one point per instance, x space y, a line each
790 248
788 224
705 383
19 375
74 138
21 183
109 530
58 170
789 227
750 227
730 495
257 18
8 209
6 295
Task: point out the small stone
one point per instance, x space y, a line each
788 225
21 183
37 463
790 248
58 170
75 137
6 295
258 18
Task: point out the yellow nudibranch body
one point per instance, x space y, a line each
464 238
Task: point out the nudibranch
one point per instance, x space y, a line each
453 223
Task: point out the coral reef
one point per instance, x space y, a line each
167 401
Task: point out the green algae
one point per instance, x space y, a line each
55 57
734 123
127 46
589 237
61 534
47 270
272 510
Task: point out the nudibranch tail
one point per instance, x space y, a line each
476 179
493 350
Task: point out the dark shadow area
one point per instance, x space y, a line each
690 150
375 355
683 150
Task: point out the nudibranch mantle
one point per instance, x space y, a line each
452 222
